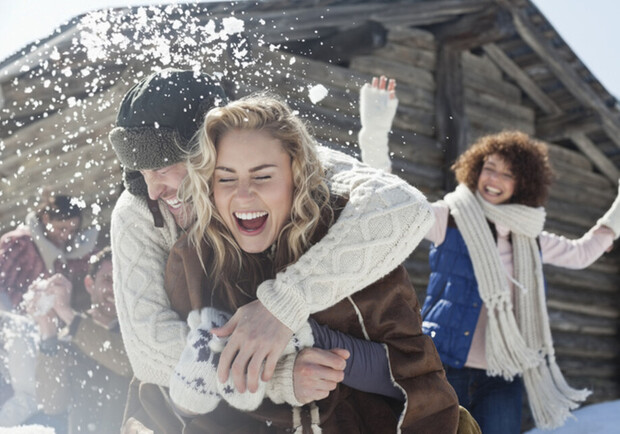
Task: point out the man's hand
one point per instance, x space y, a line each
317 372
61 288
256 336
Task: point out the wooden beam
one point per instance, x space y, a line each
475 30
596 311
426 12
563 70
452 124
555 128
340 46
512 70
599 159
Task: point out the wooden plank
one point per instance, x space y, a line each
559 153
566 174
499 88
481 65
401 72
556 128
600 311
572 283
413 146
498 107
599 159
496 122
412 37
579 193
424 59
512 70
576 214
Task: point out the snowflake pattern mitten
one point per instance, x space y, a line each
193 386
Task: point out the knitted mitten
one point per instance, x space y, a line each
282 387
377 111
193 386
611 219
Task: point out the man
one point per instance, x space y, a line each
82 369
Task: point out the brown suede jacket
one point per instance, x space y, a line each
387 312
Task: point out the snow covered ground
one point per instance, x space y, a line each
603 418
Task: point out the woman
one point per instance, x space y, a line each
258 189
485 306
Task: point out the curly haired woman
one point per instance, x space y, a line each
485 306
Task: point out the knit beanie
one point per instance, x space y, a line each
157 120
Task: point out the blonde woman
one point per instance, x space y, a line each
261 201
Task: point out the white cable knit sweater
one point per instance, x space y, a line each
383 221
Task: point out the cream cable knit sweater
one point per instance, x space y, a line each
382 223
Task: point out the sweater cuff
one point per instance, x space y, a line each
286 304
280 388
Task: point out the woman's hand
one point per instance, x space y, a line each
385 85
256 336
378 106
317 372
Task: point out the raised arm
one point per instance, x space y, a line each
611 219
580 253
378 106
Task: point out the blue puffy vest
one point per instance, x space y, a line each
452 304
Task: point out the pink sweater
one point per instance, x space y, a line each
556 250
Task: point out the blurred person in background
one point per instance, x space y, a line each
49 241
82 369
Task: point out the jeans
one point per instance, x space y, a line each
494 402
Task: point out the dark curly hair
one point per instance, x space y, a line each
528 159
59 207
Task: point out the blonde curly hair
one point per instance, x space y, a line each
310 194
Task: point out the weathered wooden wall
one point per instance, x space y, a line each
55 122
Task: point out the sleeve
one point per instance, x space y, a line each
575 254
102 345
437 233
367 368
153 333
382 223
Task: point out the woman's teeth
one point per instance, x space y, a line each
250 215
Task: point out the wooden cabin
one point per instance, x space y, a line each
464 68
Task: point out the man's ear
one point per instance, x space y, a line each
45 219
89 284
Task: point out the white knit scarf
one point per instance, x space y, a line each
520 344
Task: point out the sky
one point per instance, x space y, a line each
588 27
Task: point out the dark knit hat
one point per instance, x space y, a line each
157 120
